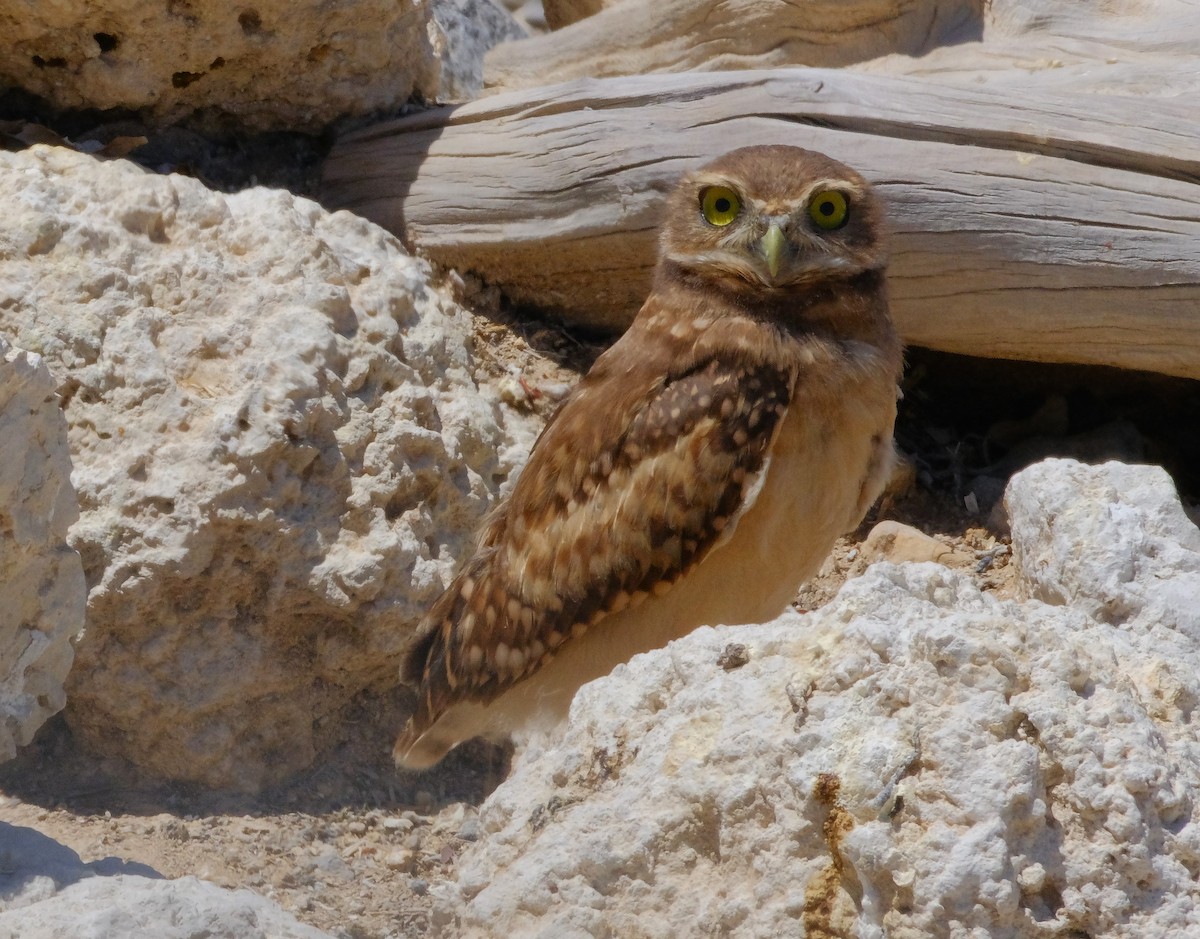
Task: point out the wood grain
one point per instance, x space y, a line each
636 37
1051 227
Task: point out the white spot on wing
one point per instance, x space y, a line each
749 497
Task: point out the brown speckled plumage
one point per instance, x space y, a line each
671 458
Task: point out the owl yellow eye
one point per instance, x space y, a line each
720 205
829 209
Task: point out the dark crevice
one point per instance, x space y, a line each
250 21
183 79
209 145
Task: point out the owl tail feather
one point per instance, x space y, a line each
422 745
421 749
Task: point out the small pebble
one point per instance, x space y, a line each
357 828
555 390
512 392
450 818
470 830
175 830
418 886
1032 878
734 655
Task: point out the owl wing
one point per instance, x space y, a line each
629 487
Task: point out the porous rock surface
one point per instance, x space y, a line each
916 759
1144 571
42 591
280 448
465 31
47 892
265 64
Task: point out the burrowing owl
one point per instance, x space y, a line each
702 469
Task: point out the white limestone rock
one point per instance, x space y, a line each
467 30
916 759
47 892
42 591
281 446
138 908
1142 565
264 64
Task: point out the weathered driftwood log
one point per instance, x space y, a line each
633 37
1054 228
1128 47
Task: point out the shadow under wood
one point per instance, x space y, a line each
970 424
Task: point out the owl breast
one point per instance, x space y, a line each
828 465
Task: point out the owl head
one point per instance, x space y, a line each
773 218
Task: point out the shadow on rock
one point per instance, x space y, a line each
33 865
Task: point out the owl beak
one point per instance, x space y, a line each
771 247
